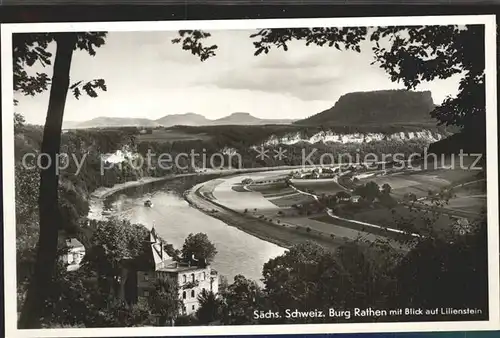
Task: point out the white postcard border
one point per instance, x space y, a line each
9 196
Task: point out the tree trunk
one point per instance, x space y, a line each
50 217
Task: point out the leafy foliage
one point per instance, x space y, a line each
210 308
241 298
435 265
26 198
113 241
19 122
28 49
425 53
307 274
386 188
32 48
165 300
369 191
198 247
347 38
191 42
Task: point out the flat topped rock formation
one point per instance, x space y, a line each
376 107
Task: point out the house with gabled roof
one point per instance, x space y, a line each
141 274
73 254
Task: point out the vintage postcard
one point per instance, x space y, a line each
250 176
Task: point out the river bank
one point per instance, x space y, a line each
102 193
105 192
98 196
239 252
279 234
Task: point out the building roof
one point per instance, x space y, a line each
74 243
155 253
155 257
181 268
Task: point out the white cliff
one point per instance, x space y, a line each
343 138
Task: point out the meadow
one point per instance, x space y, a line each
318 187
422 182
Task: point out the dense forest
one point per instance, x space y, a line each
79 176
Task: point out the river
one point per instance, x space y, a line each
174 219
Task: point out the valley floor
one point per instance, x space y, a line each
279 234
252 212
267 208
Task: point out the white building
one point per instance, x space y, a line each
191 279
74 255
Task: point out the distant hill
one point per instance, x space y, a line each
376 107
102 122
70 124
247 119
188 119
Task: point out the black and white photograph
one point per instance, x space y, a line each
250 176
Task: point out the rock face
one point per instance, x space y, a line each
344 138
376 107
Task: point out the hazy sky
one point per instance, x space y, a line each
148 76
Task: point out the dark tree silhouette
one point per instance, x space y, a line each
27 50
386 189
198 249
165 301
369 191
241 299
210 307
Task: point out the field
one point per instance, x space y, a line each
319 188
268 188
167 135
326 225
343 227
239 188
468 198
469 204
422 182
265 198
400 218
473 188
288 201
280 194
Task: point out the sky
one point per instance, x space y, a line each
147 76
